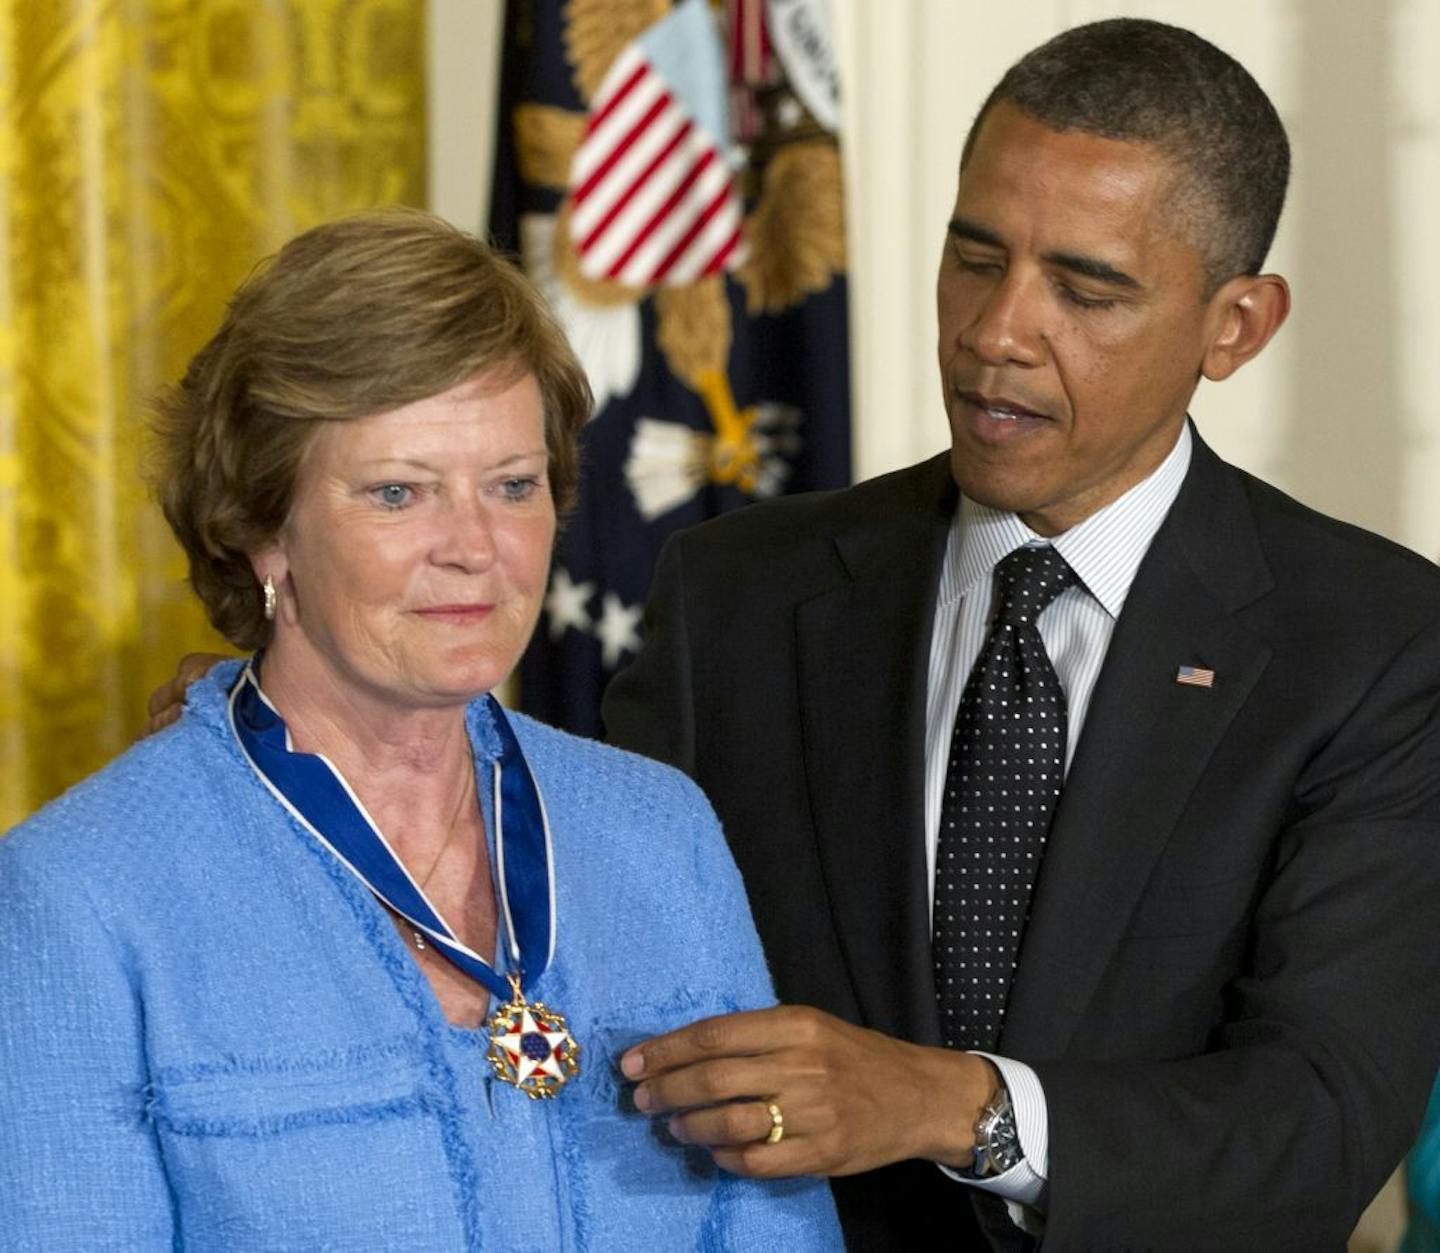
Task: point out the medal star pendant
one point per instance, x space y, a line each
531 1048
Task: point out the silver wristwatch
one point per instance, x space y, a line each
997 1144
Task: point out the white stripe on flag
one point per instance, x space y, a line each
624 173
647 201
708 247
600 141
713 180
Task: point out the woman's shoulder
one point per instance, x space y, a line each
139 801
595 768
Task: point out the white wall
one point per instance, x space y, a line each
463 81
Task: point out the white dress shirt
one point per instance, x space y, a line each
1105 551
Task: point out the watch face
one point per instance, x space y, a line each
999 1141
1004 1143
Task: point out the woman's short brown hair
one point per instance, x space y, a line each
352 318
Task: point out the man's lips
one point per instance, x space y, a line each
997 419
1001 408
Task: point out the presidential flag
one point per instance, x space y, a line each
669 174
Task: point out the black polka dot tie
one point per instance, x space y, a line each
1007 764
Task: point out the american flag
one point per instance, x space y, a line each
755 354
1195 676
652 198
752 65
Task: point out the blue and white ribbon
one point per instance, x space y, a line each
317 796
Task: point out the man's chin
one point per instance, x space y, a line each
995 487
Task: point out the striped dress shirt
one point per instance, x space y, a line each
1105 551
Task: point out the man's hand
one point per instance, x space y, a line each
851 1099
167 700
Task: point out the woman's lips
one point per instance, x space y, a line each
456 613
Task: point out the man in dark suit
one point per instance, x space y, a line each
1223 1014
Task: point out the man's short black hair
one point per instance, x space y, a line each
1145 82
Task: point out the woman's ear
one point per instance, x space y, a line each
271 565
270 562
1247 311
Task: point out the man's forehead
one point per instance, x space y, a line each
1026 185
1012 145
1006 125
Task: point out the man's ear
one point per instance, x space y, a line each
1246 312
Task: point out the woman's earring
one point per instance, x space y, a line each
270 599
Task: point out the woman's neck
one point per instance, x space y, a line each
412 767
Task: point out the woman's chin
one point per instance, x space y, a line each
459 685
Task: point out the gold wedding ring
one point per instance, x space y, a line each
777 1124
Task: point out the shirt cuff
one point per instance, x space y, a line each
1024 1183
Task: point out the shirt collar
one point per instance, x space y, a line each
1105 550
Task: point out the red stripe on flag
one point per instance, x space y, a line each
621 92
737 65
696 227
621 148
767 49
750 46
722 256
662 212
640 180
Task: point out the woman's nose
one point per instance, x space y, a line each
467 538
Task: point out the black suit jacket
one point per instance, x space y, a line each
1229 984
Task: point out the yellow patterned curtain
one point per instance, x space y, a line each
150 152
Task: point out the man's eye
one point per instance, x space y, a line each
979 265
393 495
1081 301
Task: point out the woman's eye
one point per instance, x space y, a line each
519 488
393 495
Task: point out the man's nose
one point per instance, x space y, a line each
1006 329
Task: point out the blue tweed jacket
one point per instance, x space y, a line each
212 1037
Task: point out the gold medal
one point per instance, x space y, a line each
531 1047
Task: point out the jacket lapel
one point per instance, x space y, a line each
1146 741
864 649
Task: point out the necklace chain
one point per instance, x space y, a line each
465 792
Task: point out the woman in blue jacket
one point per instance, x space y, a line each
346 958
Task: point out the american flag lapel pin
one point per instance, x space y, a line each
1195 676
